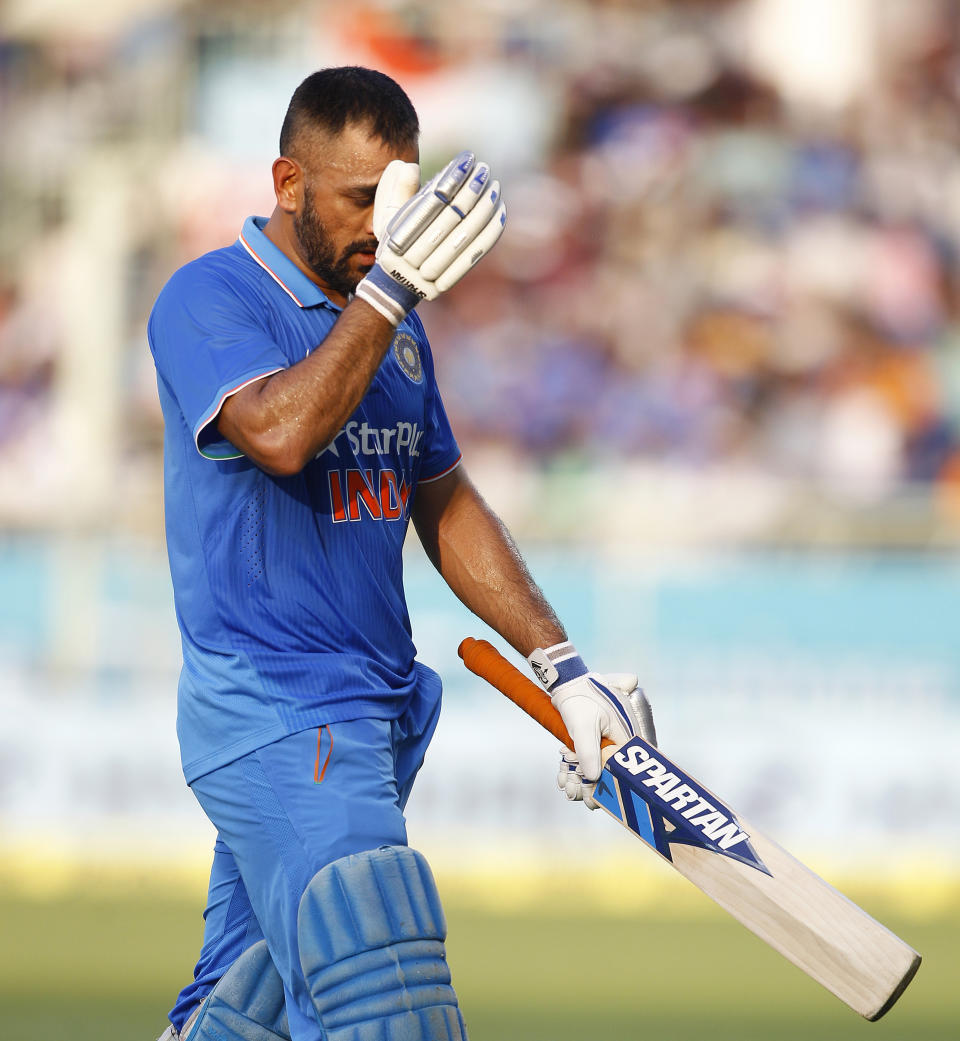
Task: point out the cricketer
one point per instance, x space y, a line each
303 430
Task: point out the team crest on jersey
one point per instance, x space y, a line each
407 353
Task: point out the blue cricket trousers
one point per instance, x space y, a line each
282 813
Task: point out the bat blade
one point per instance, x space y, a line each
762 886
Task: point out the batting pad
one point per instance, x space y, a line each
371 932
247 1004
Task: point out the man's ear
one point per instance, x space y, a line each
288 184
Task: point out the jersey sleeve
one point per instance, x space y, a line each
208 344
441 453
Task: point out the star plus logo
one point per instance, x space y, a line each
363 439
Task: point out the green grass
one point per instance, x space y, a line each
106 966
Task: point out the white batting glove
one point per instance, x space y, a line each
593 707
429 239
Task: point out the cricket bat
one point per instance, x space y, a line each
766 889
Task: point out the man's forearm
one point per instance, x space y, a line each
477 557
283 421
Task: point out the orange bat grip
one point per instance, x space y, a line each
489 664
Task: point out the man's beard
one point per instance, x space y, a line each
318 251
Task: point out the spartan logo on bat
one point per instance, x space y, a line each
681 812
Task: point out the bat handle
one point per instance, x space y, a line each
488 663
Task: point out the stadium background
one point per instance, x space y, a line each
710 378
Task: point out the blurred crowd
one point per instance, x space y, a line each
716 274
710 261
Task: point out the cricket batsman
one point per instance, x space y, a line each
303 430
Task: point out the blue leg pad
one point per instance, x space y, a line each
371 932
247 1004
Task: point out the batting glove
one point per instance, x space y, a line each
429 239
593 707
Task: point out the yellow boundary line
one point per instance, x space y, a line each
510 881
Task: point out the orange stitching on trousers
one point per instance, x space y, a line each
317 771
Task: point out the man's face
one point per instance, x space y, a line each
334 224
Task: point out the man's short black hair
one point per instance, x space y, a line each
330 99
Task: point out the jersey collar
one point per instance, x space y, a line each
280 267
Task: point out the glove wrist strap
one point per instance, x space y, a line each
386 295
554 666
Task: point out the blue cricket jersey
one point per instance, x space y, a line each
288 590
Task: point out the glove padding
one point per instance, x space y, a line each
429 240
593 707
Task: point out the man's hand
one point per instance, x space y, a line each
619 689
431 239
593 707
